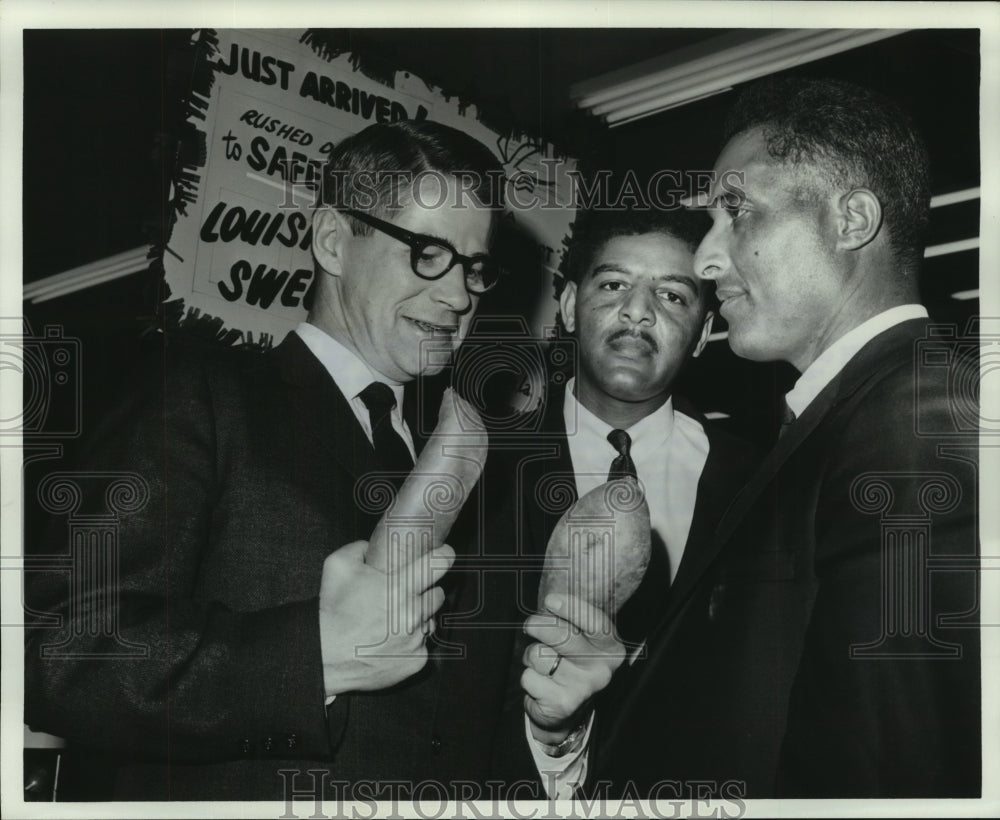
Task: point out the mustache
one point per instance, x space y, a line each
634 334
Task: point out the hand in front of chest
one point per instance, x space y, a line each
373 624
576 654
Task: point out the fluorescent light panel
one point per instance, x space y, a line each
964 295
89 275
712 67
710 74
942 200
951 247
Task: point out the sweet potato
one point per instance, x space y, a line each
426 506
600 548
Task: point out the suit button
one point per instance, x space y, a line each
268 744
245 746
290 741
435 744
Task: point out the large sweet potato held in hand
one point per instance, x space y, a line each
421 516
600 548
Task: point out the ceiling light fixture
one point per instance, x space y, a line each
711 67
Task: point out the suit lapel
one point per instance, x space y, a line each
547 475
715 489
885 350
321 409
773 461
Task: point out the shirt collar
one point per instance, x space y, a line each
832 360
649 432
348 370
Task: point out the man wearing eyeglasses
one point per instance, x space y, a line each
244 576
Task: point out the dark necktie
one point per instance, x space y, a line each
787 417
391 452
640 612
622 465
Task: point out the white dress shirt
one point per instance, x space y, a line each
352 375
832 360
669 450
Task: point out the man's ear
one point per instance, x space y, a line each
706 330
567 306
330 230
859 219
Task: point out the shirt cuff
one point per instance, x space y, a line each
560 775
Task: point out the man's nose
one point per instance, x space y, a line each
637 307
450 290
710 258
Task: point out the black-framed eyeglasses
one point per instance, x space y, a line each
432 258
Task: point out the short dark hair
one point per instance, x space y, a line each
855 137
374 169
592 229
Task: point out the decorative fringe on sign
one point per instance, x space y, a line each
192 324
369 57
330 43
190 77
204 327
192 69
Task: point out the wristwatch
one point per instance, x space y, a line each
568 744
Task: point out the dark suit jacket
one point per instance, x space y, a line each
210 685
830 646
541 469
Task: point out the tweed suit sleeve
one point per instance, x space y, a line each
143 661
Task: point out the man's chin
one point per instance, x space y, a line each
747 347
630 385
432 357
431 370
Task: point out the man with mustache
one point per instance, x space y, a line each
243 601
638 315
